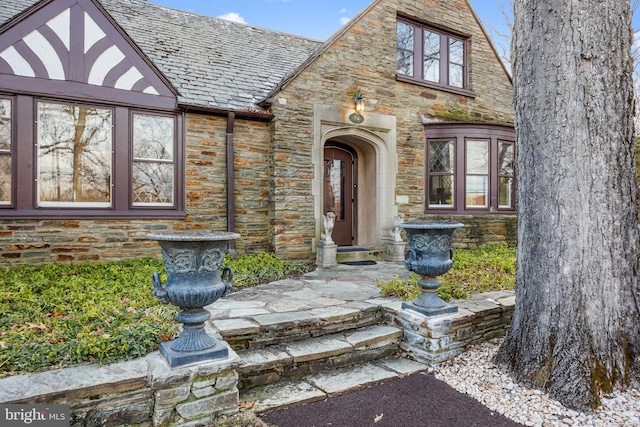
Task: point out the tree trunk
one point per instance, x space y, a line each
576 325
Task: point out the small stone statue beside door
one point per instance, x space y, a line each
329 220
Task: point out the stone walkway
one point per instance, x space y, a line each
342 286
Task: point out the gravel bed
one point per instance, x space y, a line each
473 373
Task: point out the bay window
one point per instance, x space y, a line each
470 168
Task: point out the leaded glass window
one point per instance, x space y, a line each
506 174
5 151
441 178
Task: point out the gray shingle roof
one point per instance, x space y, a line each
210 61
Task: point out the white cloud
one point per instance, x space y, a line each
233 16
344 20
344 10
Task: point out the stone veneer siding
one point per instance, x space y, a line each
364 59
481 230
39 241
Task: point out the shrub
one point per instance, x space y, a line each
487 268
58 315
250 270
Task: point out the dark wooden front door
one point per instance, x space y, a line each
338 192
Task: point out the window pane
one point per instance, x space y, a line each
5 152
5 179
153 167
505 192
505 159
153 137
152 183
456 52
477 157
335 192
405 62
431 44
404 33
404 55
74 155
431 70
441 191
441 156
5 125
477 191
455 75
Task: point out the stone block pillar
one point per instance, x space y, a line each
326 255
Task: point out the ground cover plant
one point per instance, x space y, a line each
482 269
58 315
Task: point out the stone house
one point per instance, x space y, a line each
122 117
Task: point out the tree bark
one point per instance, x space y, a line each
576 325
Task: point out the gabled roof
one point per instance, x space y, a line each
213 63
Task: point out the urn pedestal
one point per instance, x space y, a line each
195 279
429 255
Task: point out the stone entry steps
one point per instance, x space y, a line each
267 329
319 386
354 254
295 359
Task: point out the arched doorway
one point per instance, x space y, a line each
373 147
340 190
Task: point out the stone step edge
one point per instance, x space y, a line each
322 385
289 360
268 329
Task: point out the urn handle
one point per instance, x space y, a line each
158 290
227 278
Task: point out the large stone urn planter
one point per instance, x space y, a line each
195 278
429 255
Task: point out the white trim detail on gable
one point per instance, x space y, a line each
18 64
128 79
103 64
92 32
43 49
72 46
60 25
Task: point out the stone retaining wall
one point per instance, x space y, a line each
142 392
435 339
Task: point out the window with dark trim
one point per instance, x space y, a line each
81 159
431 57
6 137
470 168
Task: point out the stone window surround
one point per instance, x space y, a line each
23 204
418 57
459 133
374 138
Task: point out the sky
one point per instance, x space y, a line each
316 19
